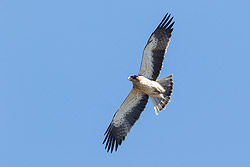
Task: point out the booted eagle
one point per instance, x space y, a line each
145 85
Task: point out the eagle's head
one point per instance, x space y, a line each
133 78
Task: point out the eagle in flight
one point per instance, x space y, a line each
145 85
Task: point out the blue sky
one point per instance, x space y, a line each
63 74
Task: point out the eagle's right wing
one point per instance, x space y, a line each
153 54
125 117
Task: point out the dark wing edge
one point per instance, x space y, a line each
116 133
155 49
165 23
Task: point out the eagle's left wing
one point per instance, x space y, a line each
155 49
125 117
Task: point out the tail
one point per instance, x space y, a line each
160 103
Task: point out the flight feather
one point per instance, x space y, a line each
153 54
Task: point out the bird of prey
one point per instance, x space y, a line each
145 85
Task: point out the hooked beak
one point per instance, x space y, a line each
129 78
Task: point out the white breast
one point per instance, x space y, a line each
149 87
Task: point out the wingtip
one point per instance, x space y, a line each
164 20
165 23
171 25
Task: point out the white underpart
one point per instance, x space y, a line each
149 87
146 69
131 101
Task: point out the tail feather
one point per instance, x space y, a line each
156 102
160 103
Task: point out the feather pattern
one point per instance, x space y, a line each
131 109
124 119
153 54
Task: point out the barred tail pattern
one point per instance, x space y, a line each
160 103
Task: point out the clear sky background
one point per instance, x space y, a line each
63 74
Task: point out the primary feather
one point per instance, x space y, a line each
144 85
153 54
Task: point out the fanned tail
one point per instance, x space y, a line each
160 103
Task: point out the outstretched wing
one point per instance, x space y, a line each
153 54
125 117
